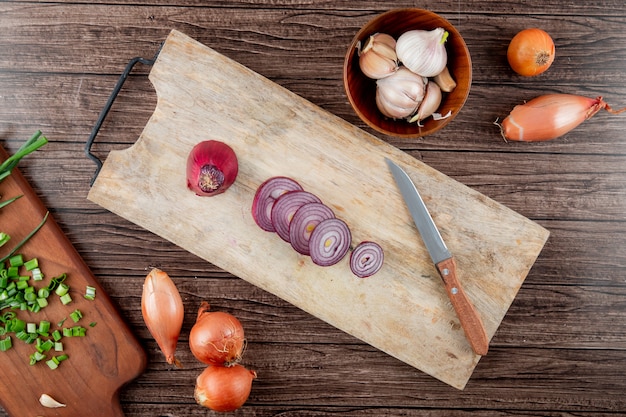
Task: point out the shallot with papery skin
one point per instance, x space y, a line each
550 116
163 312
217 337
224 389
212 168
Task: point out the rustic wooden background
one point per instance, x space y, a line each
561 349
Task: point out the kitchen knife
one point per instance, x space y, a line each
445 263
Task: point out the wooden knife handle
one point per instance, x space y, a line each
465 310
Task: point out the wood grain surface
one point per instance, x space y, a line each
559 351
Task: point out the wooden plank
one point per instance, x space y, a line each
494 246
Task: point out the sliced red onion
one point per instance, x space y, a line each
366 259
330 241
266 195
304 221
286 206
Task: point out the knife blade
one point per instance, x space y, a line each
443 260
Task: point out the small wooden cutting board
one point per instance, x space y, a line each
99 363
403 310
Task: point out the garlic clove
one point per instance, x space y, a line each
430 104
399 95
49 402
445 81
423 51
378 57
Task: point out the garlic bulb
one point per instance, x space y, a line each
430 104
423 51
378 57
399 95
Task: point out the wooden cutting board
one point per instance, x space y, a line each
99 363
402 310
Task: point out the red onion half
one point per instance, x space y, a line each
366 259
286 206
330 241
304 222
266 195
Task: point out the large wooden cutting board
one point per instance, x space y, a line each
100 363
402 310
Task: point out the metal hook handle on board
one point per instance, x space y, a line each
103 114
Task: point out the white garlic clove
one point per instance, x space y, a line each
49 402
378 57
423 51
445 81
430 104
399 95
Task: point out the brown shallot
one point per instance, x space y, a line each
163 311
224 389
550 116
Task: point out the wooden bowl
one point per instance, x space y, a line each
361 90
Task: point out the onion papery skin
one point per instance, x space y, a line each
266 194
163 312
212 167
550 116
217 337
330 242
285 207
304 222
366 259
224 389
531 52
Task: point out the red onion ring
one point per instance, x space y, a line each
366 259
304 221
266 195
330 241
286 206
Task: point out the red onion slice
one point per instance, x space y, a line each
366 259
286 206
330 241
304 222
266 195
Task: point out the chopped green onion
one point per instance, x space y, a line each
9 201
76 315
5 344
4 238
62 289
31 145
31 328
58 346
31 264
53 363
44 327
66 299
93 324
23 241
37 274
56 335
90 293
16 260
